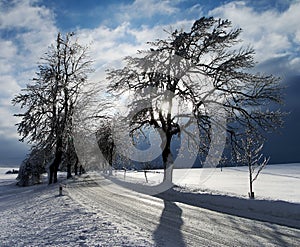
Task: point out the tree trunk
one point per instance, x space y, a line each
53 169
168 170
76 166
168 160
110 171
251 193
51 172
110 158
56 170
69 170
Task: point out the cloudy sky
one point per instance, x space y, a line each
117 28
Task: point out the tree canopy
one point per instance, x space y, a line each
208 70
49 100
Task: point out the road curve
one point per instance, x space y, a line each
169 223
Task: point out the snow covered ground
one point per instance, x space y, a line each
276 190
275 182
6 178
37 216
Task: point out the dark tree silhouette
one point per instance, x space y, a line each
32 167
50 99
106 143
207 69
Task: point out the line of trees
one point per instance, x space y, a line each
204 67
49 101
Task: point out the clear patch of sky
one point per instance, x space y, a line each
264 5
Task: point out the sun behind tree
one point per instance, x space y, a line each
206 69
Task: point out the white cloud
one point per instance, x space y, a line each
294 64
27 30
8 86
34 29
7 54
8 49
109 46
7 123
196 8
272 33
146 34
23 14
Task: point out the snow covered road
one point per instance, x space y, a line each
157 221
36 216
94 211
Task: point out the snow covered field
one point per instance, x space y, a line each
96 212
276 190
6 178
275 182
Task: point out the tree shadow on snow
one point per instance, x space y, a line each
278 212
168 232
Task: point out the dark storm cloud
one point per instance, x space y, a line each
11 152
279 66
285 147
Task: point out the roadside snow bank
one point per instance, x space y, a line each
37 216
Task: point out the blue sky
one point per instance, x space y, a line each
115 29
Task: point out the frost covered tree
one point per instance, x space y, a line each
250 154
93 128
32 167
49 100
70 158
207 69
106 144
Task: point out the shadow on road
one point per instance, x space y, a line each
278 212
200 227
168 232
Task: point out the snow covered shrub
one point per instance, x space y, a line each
31 168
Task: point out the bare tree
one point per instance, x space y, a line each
50 99
93 128
208 70
250 154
